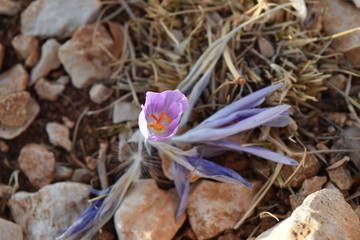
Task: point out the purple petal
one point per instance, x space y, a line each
201 133
207 169
250 101
182 184
257 151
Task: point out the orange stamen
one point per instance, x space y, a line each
158 125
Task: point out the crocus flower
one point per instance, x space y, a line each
160 117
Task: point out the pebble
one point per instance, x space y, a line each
49 60
13 80
32 109
324 215
5 192
48 90
99 93
13 110
85 60
339 17
266 48
3 146
357 3
38 164
82 175
341 176
214 207
48 18
148 213
45 214
67 122
311 168
63 80
62 173
27 48
10 230
338 118
125 111
59 135
9 7
2 55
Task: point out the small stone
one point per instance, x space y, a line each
357 3
62 173
13 110
48 90
27 48
341 177
5 192
13 80
99 93
147 212
90 162
3 146
311 168
82 175
338 118
339 81
47 18
125 111
9 8
38 164
266 48
49 60
59 135
84 57
324 215
10 230
2 54
64 80
8 132
67 122
45 214
214 207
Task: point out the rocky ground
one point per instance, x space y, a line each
73 75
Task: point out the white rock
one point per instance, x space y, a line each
13 80
147 213
38 164
357 3
214 207
63 80
8 132
323 215
13 110
48 18
59 135
9 7
49 60
10 230
84 57
27 48
45 214
2 55
100 93
125 111
48 90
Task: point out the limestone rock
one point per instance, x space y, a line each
13 111
10 230
125 111
27 48
214 207
84 56
45 214
324 215
38 164
48 61
48 90
13 80
99 93
147 213
9 7
8 132
341 176
47 18
59 135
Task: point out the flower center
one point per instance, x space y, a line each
158 124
